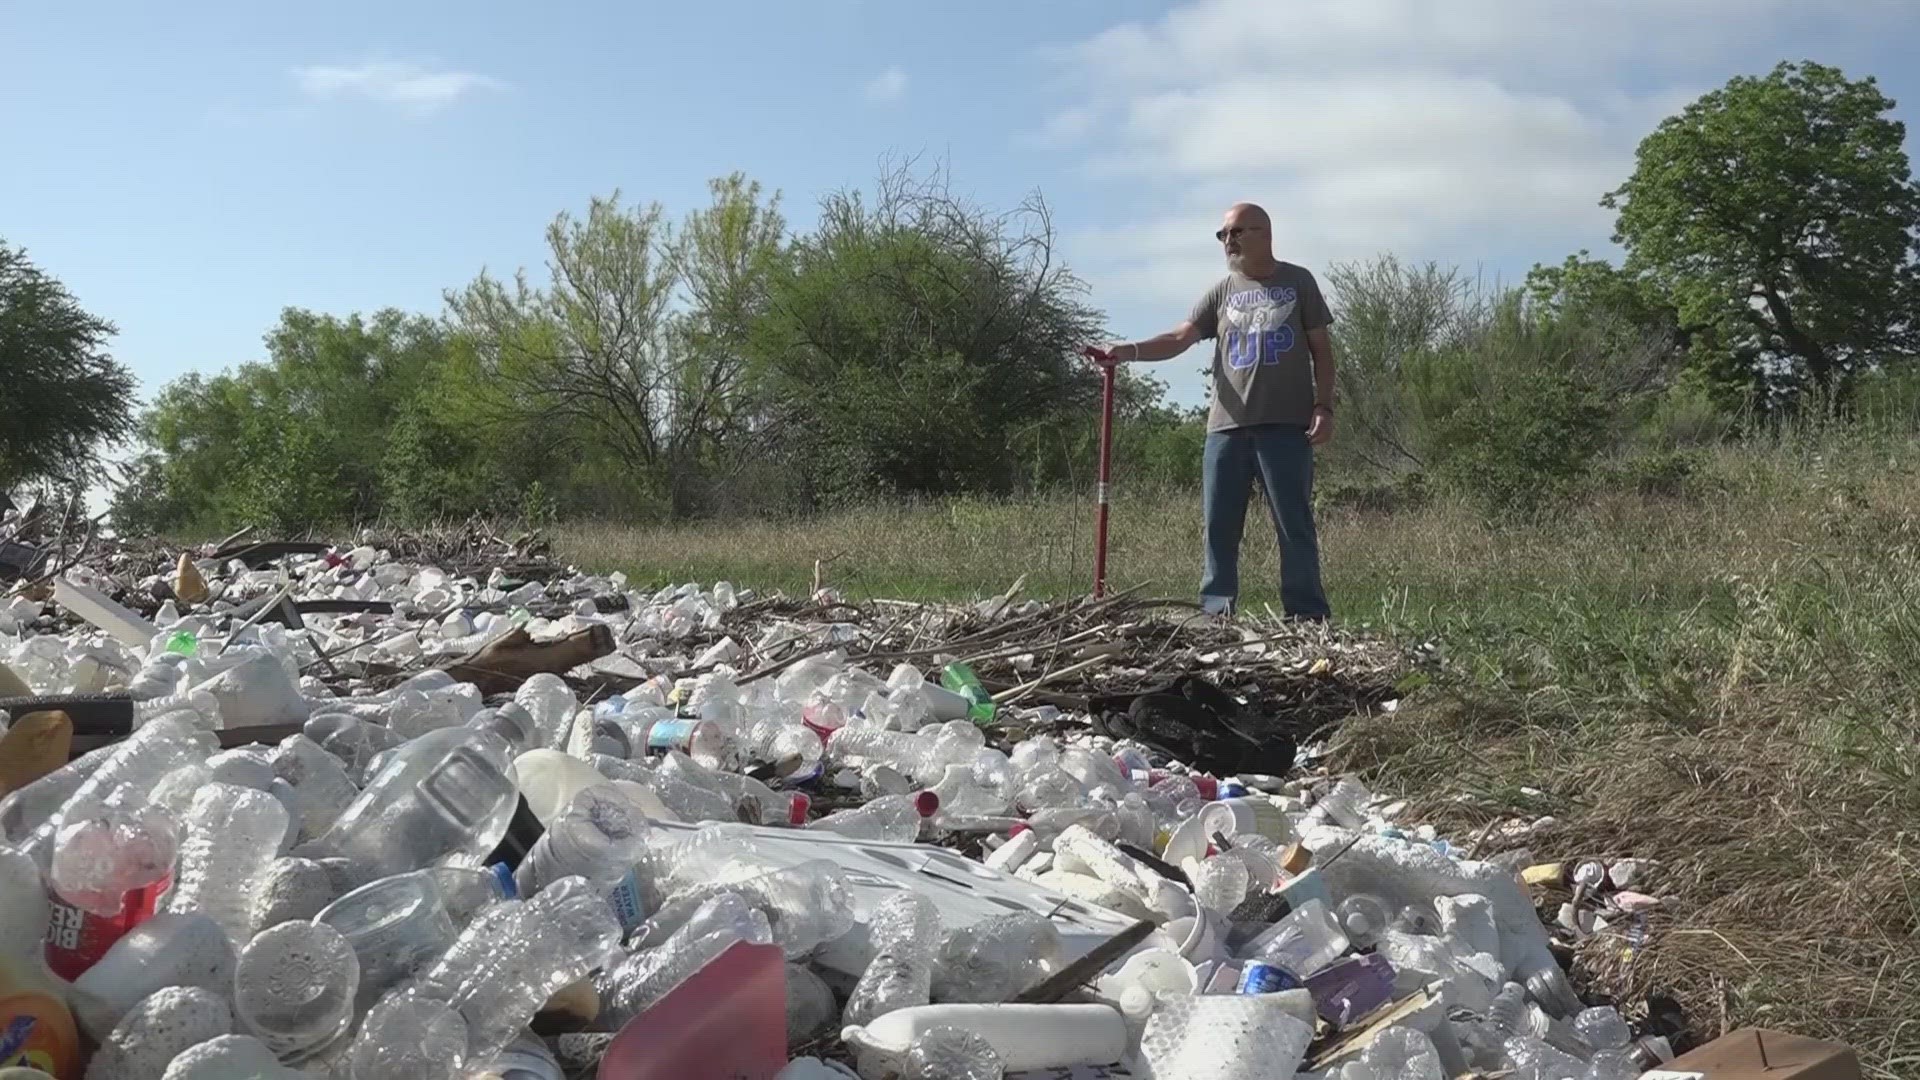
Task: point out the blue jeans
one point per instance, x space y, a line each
1284 460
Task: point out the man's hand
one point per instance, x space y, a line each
1320 428
1103 357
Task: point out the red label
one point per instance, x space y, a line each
77 939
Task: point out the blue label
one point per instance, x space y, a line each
670 735
625 899
14 1038
1259 978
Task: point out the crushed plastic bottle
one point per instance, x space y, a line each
232 834
643 977
905 929
406 1037
892 818
950 1053
445 797
552 940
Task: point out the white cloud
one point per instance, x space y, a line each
1462 132
405 84
887 87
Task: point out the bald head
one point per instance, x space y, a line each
1247 234
1248 214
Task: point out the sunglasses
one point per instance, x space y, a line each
1223 234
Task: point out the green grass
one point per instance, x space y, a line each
1727 683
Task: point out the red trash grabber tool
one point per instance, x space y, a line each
1103 492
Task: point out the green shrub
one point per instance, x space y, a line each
1523 452
1659 474
1406 491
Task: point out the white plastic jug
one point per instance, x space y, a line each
1025 1036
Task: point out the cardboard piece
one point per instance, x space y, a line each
37 744
1355 1040
1765 1054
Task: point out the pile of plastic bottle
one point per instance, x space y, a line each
338 904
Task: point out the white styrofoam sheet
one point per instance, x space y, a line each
965 891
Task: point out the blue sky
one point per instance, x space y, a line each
190 170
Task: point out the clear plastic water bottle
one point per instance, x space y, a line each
690 802
905 929
397 926
997 958
551 944
806 904
1364 917
552 704
632 985
28 808
1221 884
444 798
354 741
407 1037
765 805
1531 1059
293 988
1612 1065
136 764
865 746
1602 1028
322 790
98 860
467 891
890 818
231 834
599 836
512 723
951 1053
470 954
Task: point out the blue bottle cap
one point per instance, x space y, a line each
504 876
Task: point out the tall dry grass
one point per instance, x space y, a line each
1725 680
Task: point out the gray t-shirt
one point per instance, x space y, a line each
1262 369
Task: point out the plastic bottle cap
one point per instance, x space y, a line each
503 874
797 809
927 803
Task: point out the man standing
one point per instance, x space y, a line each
1272 404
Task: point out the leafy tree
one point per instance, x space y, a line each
727 256
915 335
604 351
1780 213
292 442
62 397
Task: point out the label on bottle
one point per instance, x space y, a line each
1262 978
27 1040
668 735
625 900
77 938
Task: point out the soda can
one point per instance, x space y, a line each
1263 978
